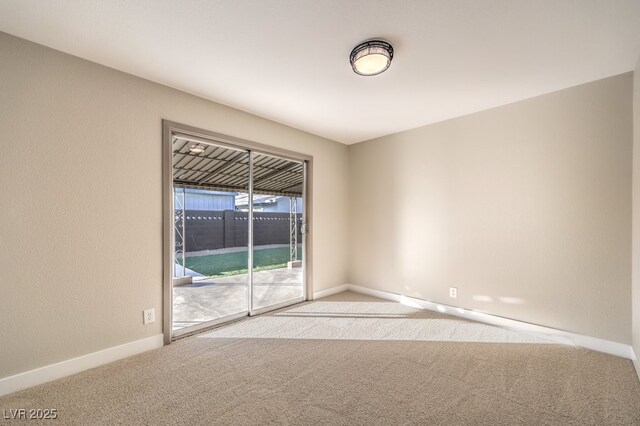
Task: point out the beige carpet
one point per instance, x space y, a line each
350 359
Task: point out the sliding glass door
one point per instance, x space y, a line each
237 240
211 238
278 206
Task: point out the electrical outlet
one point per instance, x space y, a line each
453 292
148 316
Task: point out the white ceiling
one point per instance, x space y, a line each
287 60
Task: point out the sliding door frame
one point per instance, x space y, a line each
171 129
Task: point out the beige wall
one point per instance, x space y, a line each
525 208
81 215
636 215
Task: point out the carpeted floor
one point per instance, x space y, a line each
350 359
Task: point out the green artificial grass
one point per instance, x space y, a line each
226 264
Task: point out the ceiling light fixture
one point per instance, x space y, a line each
196 149
371 57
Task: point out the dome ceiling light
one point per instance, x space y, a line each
371 57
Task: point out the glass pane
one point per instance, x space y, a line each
277 226
211 245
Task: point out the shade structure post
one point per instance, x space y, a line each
293 229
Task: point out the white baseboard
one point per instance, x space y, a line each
328 292
560 336
75 365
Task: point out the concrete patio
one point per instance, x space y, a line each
210 299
